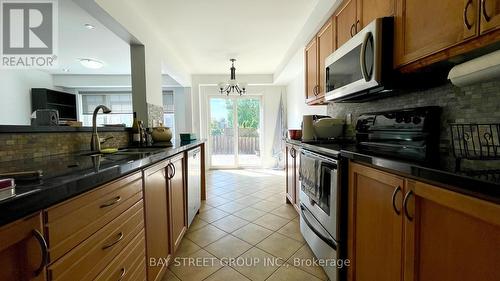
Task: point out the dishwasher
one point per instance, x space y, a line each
193 183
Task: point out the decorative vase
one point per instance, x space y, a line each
161 134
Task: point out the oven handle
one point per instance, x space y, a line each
328 241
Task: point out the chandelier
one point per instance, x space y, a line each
232 85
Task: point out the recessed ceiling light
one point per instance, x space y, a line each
91 63
89 26
65 69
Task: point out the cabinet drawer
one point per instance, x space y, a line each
128 263
89 258
73 221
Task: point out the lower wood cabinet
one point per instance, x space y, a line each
292 175
157 217
401 229
23 250
178 200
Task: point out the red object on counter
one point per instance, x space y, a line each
295 134
6 183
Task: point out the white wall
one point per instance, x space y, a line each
270 96
15 94
293 76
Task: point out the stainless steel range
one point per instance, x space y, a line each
320 204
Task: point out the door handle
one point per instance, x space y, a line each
356 26
122 274
396 191
466 20
405 205
362 57
111 203
173 170
120 237
45 252
353 27
485 13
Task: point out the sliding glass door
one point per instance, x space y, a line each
235 131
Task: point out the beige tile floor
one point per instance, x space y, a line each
246 220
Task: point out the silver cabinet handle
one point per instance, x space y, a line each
396 191
111 203
120 238
45 252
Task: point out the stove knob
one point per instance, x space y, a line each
407 119
416 120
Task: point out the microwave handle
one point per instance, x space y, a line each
362 57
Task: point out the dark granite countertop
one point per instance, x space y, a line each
65 176
440 176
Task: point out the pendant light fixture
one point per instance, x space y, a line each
232 85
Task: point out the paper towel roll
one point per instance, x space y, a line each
477 70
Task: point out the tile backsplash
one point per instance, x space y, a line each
18 146
479 103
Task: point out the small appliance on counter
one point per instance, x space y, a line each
45 117
317 128
409 134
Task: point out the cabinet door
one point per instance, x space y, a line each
425 27
311 56
375 224
178 200
297 180
156 218
325 48
290 174
450 236
369 10
22 249
345 22
490 15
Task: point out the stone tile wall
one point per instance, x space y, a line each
17 146
478 103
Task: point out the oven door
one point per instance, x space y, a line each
355 66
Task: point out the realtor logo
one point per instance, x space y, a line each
28 33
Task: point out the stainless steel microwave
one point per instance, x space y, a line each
362 67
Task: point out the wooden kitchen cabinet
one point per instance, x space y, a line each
449 236
369 10
157 217
375 224
490 15
325 48
22 250
178 200
292 175
402 229
345 22
311 67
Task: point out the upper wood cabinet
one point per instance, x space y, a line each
401 229
369 10
490 15
374 225
325 48
345 22
311 68
157 218
23 250
178 200
427 26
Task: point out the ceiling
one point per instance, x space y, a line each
76 41
205 34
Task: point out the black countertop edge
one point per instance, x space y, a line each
59 189
4 129
477 188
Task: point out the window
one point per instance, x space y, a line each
169 110
120 104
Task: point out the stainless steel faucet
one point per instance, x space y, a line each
95 141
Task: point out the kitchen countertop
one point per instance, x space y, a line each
440 176
65 176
